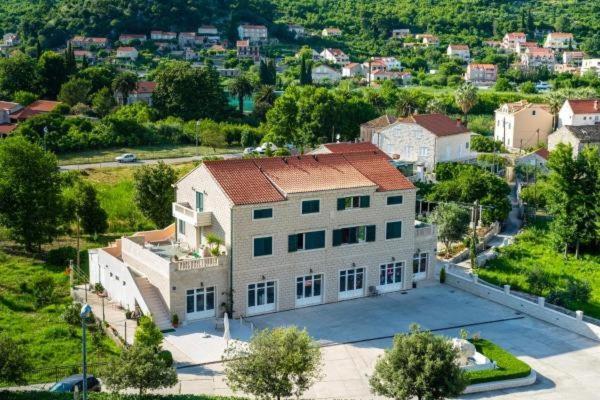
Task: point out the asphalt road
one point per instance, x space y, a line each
176 160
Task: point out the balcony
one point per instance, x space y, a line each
185 212
424 231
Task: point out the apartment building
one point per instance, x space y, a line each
254 33
560 41
245 49
590 64
481 74
538 58
522 124
294 232
510 40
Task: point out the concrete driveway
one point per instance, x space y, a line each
354 333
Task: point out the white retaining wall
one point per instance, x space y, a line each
537 310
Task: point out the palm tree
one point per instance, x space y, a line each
241 86
555 101
123 84
265 94
466 97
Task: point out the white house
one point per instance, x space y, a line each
297 30
10 39
254 33
335 56
574 58
590 64
323 73
577 136
579 113
314 55
127 38
425 139
351 70
160 35
510 40
538 57
559 41
400 33
460 51
481 74
127 52
329 32
208 30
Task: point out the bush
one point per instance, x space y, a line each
167 357
443 275
485 144
42 288
539 281
71 314
578 291
509 366
14 361
98 288
61 256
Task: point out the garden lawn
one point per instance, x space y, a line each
533 248
509 366
142 152
116 193
50 341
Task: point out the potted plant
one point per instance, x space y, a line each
214 242
128 314
99 289
175 320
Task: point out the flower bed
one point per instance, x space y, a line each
509 366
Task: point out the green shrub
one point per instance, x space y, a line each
71 314
509 366
42 288
485 144
443 275
167 357
539 281
61 255
56 332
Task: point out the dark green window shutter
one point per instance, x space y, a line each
341 204
292 243
370 233
365 201
314 240
393 230
337 237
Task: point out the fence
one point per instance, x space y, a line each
58 372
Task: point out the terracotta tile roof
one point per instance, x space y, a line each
482 66
242 43
381 122
543 152
458 47
561 35
37 107
145 87
7 105
7 128
349 147
264 180
438 124
523 104
125 49
585 106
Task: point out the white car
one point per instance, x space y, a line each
267 145
126 158
249 150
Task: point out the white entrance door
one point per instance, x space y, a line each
261 297
351 283
309 290
390 277
420 261
200 303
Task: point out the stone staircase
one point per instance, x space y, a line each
154 301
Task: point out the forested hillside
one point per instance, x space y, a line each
366 24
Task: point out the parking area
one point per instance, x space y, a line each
354 333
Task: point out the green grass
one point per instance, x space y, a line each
106 396
509 366
142 152
533 249
50 341
116 194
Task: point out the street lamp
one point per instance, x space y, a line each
85 312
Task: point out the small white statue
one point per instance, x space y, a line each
465 349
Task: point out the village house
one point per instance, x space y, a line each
351 70
128 38
325 73
493 43
10 39
87 55
228 72
384 75
85 42
425 140
7 109
389 63
560 41
577 136
314 55
253 33
428 39
187 39
400 33
297 30
375 125
208 30
141 94
246 49
521 47
130 53
460 51
510 40
481 74
538 58
160 35
33 109
278 252
329 32
522 124
579 113
590 64
335 56
573 58
537 158
373 64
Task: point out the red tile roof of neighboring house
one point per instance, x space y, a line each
350 147
242 43
7 105
543 152
381 122
585 106
562 35
264 180
124 49
438 124
7 128
459 47
145 87
35 108
539 51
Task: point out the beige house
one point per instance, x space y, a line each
511 39
329 32
577 136
425 139
481 74
538 57
522 124
559 41
130 53
296 231
460 51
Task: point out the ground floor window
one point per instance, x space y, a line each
390 274
420 265
352 282
200 302
261 296
309 289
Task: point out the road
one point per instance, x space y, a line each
112 164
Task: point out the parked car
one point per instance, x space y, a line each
266 145
126 158
543 86
74 383
249 150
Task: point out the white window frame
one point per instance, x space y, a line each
311 300
420 275
263 308
272 246
423 151
355 293
310 214
189 316
181 232
394 286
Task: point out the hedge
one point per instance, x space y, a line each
509 366
106 396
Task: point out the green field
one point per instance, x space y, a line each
533 249
142 152
50 341
509 366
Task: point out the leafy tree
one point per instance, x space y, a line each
485 144
452 223
75 91
281 362
528 88
70 63
42 288
502 85
420 365
24 98
29 192
17 72
154 193
101 76
466 97
82 204
240 87
123 85
147 334
52 73
141 368
212 134
103 102
14 361
189 93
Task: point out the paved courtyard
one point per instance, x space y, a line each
354 333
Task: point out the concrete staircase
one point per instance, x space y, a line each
154 301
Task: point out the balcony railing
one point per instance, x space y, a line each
196 218
200 263
424 231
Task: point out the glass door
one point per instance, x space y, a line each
351 283
261 297
309 290
390 276
200 303
420 261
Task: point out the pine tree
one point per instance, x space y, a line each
303 72
70 63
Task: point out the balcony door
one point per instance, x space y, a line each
200 303
420 261
309 290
